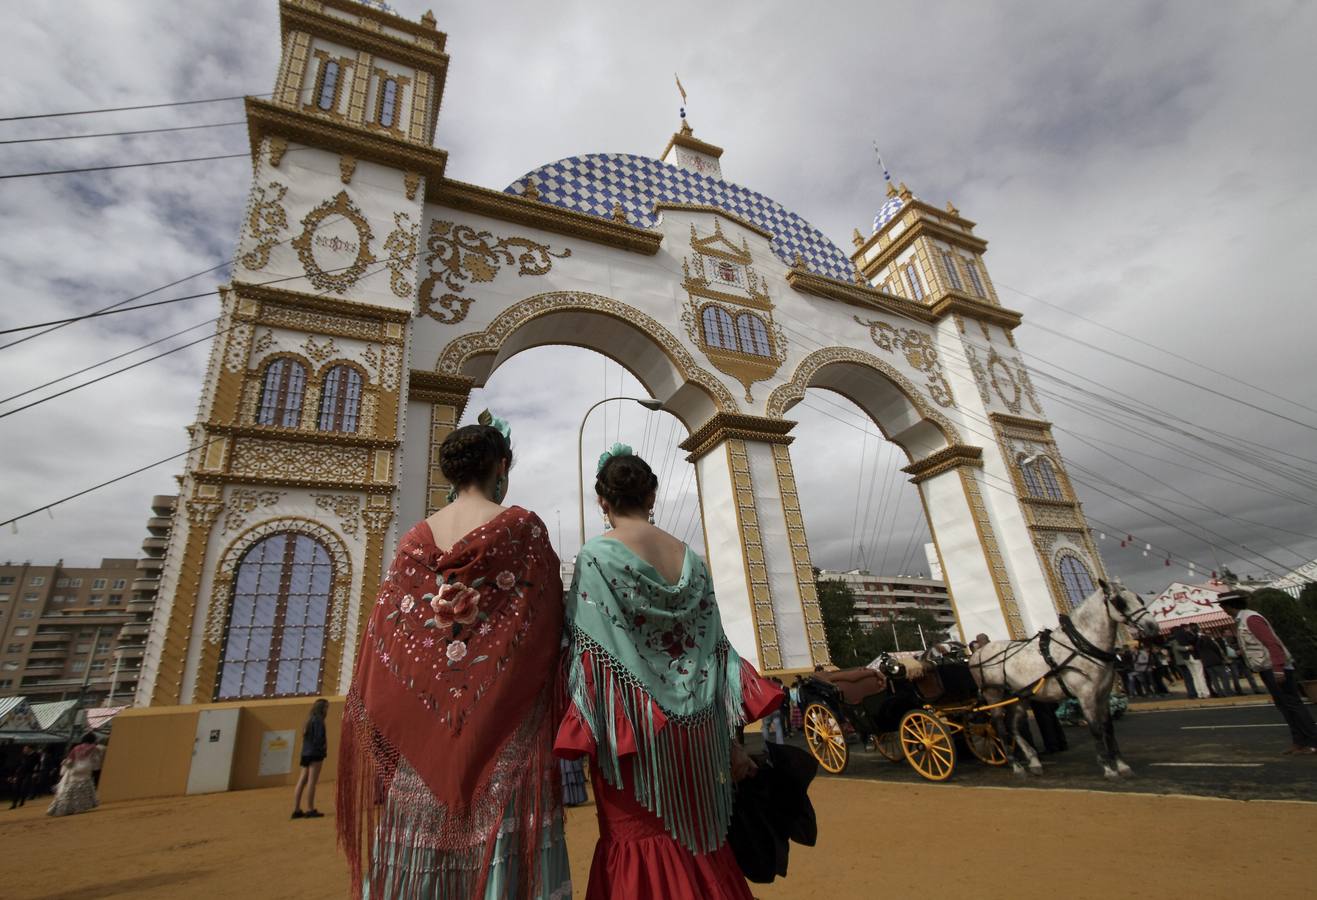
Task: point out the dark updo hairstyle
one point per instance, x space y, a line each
626 483
471 454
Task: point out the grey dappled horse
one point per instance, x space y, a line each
1074 660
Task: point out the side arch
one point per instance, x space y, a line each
627 335
221 597
890 399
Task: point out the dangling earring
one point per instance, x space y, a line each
651 515
608 523
500 488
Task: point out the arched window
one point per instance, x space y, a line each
275 644
388 102
281 393
753 335
328 84
912 279
340 401
1076 579
718 330
1040 478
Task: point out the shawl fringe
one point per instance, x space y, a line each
682 767
401 842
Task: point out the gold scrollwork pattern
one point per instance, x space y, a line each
976 368
785 395
346 507
919 353
300 461
387 363
237 347
1006 386
265 221
401 247
338 280
465 254
319 351
463 348
242 502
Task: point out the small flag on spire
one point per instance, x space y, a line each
682 91
887 176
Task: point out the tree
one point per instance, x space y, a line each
1294 624
845 637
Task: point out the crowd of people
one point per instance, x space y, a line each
70 775
1207 665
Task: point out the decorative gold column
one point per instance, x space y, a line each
756 574
377 517
202 509
447 396
1001 581
809 594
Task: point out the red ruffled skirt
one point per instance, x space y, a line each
636 859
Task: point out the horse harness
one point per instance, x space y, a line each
1080 646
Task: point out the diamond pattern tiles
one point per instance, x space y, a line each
887 212
593 183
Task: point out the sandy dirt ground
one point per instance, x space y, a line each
875 840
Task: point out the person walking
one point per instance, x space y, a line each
1267 655
1180 656
76 792
1143 670
1213 655
1235 662
447 782
315 747
23 779
1195 662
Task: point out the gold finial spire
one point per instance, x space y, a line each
428 19
857 239
904 192
619 214
891 189
952 209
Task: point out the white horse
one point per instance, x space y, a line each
1076 660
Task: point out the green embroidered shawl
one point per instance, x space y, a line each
641 644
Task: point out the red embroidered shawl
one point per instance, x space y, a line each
467 695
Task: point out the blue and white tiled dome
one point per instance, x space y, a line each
380 5
887 212
595 182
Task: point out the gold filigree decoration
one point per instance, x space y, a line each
465 254
455 355
265 221
320 322
345 506
264 342
411 181
242 502
401 247
1027 383
237 347
919 353
784 396
1012 392
756 571
976 368
299 461
387 362
318 351
347 167
338 281
278 147
805 584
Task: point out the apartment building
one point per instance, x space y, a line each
130 646
58 627
880 598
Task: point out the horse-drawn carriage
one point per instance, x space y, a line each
912 709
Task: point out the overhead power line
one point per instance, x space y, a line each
110 109
78 137
157 162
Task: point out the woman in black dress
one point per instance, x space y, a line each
315 747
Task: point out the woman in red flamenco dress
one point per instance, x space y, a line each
656 694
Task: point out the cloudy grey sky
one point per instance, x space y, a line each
1145 165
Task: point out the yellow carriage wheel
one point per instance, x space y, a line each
826 740
984 743
927 745
889 745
